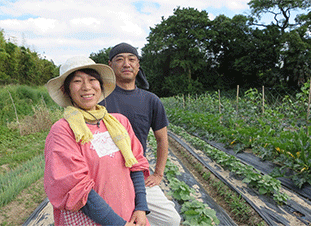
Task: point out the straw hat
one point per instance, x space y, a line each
73 64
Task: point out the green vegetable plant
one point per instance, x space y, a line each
194 212
264 184
198 213
278 134
295 150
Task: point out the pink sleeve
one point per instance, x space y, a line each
66 177
137 147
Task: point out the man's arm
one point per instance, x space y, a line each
162 152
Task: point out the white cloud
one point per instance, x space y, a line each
39 26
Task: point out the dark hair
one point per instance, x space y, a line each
88 71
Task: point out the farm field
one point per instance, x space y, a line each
278 132
218 134
267 148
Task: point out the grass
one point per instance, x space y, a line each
14 181
16 149
18 210
22 139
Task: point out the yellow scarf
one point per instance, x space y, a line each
76 118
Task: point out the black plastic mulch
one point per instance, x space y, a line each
272 213
187 177
265 167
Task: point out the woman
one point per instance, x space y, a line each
95 168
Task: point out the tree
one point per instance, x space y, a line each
236 50
265 55
20 65
280 9
11 62
294 48
176 51
102 57
3 58
297 58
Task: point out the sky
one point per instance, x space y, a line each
60 29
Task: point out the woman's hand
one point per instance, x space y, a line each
129 224
138 218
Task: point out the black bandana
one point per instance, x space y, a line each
122 48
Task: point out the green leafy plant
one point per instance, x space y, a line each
264 184
197 213
193 211
282 126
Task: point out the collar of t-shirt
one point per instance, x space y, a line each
125 91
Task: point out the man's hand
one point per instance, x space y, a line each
153 180
139 218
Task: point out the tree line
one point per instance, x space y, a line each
189 53
20 65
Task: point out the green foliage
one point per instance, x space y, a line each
19 65
188 53
278 133
24 98
264 184
193 211
21 177
21 157
176 52
15 149
102 57
197 213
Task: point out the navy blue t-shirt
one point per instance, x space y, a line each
143 109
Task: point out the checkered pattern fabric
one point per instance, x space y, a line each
76 218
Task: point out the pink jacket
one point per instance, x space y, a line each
72 169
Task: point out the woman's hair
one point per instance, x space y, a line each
88 71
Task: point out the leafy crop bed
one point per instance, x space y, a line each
266 148
295 210
279 133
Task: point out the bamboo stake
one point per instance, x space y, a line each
308 110
19 125
219 101
263 99
183 101
237 99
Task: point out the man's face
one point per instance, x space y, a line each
125 67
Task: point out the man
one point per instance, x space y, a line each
144 110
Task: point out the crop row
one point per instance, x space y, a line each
272 135
264 184
193 211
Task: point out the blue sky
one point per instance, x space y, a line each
59 29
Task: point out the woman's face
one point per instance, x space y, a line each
85 90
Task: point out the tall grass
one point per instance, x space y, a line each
26 116
23 98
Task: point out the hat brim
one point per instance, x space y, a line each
54 85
